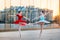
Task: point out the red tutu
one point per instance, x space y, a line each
20 21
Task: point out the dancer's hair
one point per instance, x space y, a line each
22 13
19 11
43 11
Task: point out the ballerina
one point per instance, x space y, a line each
20 21
42 20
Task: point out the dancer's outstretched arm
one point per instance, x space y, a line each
12 15
26 18
45 14
36 18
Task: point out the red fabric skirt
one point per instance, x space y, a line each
20 22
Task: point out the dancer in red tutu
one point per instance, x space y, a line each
20 21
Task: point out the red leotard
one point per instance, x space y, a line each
20 21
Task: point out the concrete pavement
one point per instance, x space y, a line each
47 34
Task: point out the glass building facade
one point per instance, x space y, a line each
30 9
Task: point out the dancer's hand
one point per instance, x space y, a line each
36 18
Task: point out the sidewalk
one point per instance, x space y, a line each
48 34
36 26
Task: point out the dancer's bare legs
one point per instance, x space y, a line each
41 24
19 32
20 29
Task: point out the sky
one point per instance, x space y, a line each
49 4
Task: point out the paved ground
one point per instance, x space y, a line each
47 34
